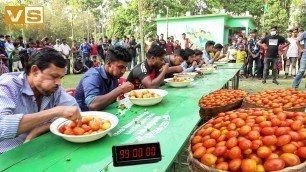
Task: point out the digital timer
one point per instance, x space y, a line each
136 154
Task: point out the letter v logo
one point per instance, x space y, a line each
14 14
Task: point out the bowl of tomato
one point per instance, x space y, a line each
94 126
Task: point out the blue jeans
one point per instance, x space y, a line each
300 73
267 62
134 60
257 65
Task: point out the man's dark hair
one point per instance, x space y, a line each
184 34
155 51
31 39
6 36
198 52
43 58
15 44
20 37
301 30
149 36
124 36
37 42
290 30
46 39
274 27
295 29
105 37
240 36
116 53
63 40
31 42
179 52
1 36
218 46
85 39
188 52
209 43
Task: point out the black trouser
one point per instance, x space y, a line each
232 61
67 66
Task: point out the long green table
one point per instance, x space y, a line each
170 122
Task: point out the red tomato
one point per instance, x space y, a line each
275 121
290 159
264 152
297 125
302 152
231 126
289 148
277 110
222 166
198 153
283 140
281 116
274 164
294 135
232 142
221 138
232 134
208 159
256 144
256 158
235 152
235 164
266 131
269 140
78 131
245 130
248 165
196 139
245 144
280 131
196 146
209 143
254 135
220 150
215 134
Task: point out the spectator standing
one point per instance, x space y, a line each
14 57
94 48
132 51
230 51
185 42
254 55
75 49
271 44
292 54
85 48
169 46
148 43
65 50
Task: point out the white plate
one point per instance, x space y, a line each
178 84
206 70
220 63
54 127
184 75
147 101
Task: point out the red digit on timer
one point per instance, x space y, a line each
148 151
135 153
140 150
127 153
121 153
153 151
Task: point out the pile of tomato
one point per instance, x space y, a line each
221 98
252 140
89 125
285 99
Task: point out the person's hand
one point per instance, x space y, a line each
69 112
126 87
194 63
165 67
37 131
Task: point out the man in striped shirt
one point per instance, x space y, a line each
30 101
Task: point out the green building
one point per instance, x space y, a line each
200 28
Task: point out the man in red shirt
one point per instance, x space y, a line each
147 74
169 46
94 48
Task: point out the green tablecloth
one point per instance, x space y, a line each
170 122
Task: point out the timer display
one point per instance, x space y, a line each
136 154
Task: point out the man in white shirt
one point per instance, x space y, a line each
292 54
9 47
65 50
57 45
185 42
